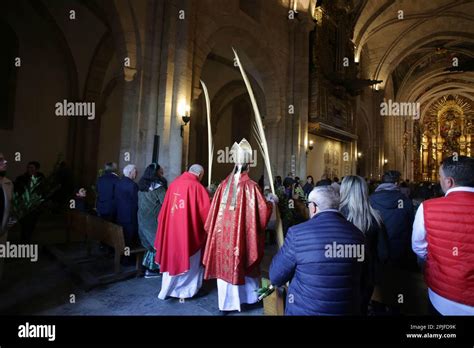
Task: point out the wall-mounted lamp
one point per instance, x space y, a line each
359 154
310 146
385 161
184 110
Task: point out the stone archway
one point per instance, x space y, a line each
258 63
260 67
231 118
85 133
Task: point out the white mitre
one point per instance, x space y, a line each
242 152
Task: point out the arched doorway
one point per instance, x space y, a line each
231 117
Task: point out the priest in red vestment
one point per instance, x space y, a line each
236 234
180 235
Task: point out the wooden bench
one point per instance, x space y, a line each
88 228
111 234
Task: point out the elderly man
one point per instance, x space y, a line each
106 205
126 198
6 191
322 259
181 236
443 237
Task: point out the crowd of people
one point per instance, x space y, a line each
351 238
380 216
397 234
189 238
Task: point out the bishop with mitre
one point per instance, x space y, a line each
236 225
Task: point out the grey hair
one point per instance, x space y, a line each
355 199
196 169
325 197
128 170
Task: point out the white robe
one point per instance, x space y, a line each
232 296
184 285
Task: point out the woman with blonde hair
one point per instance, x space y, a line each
355 206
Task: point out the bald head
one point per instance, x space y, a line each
197 170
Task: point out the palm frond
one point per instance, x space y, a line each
258 120
209 132
262 143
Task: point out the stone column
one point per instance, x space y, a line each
175 85
302 47
297 94
147 122
290 106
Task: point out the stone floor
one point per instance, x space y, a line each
46 287
50 289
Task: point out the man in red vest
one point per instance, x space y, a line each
443 237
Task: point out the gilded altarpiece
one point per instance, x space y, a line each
446 129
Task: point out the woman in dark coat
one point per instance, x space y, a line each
355 206
151 195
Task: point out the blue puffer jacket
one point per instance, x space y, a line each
397 214
320 284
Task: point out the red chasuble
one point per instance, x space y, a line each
180 232
236 238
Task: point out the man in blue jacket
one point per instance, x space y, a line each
322 258
105 193
126 197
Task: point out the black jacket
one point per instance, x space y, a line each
377 246
398 215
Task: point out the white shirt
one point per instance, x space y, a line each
420 247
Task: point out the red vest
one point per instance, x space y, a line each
449 224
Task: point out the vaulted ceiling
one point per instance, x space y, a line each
422 50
